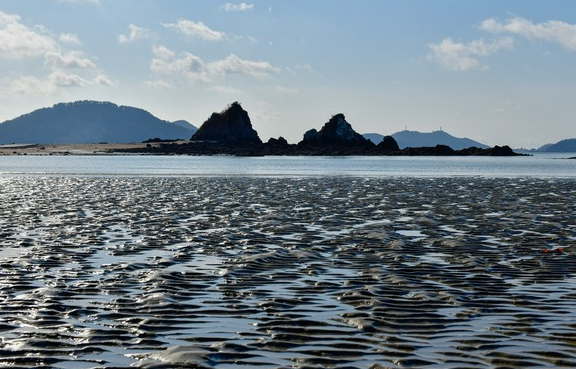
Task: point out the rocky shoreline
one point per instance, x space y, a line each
230 132
284 149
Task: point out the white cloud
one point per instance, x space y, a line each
72 59
160 84
235 65
166 62
103 80
62 79
553 31
194 68
285 90
225 90
229 7
53 83
19 41
163 52
134 33
70 38
462 57
196 30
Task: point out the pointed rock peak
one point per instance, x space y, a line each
337 131
389 144
231 126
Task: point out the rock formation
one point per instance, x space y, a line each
388 143
337 132
231 126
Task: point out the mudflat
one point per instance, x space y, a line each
70 149
337 272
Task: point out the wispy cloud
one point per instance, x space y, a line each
19 41
70 39
553 31
229 7
186 64
466 56
167 62
135 33
70 60
195 30
53 83
235 65
160 84
228 90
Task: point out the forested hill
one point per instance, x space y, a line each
90 122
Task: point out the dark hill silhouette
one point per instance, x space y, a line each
89 122
231 126
427 139
568 145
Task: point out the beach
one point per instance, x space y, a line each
72 149
287 272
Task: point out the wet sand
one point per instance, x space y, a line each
331 272
72 149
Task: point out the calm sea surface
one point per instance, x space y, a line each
540 165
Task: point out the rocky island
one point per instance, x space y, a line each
230 132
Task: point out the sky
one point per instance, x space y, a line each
499 72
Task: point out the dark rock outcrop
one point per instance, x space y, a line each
231 126
388 143
278 142
337 132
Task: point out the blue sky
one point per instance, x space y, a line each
500 72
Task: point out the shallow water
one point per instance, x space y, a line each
547 165
338 272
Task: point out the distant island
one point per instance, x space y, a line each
228 132
568 145
90 122
426 139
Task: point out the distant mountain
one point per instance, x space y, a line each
376 138
90 122
568 145
427 139
187 125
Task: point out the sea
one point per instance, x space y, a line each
538 165
127 261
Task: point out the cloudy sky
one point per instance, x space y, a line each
500 72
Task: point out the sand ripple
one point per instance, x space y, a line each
329 272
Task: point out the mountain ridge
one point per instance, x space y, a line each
427 139
88 121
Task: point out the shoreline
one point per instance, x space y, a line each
198 148
71 149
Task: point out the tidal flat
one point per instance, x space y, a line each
287 272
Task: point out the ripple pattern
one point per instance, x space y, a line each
261 272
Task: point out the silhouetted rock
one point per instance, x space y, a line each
388 143
502 151
89 122
337 132
231 126
279 142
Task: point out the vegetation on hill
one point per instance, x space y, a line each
89 122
